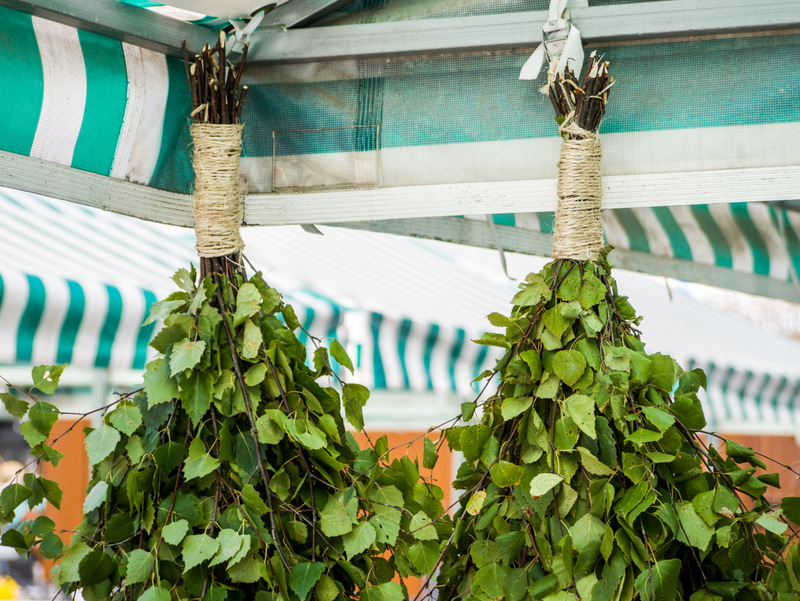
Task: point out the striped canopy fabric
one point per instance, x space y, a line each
683 115
76 283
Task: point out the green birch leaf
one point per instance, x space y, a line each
16 407
12 497
134 448
185 355
101 443
505 473
429 454
139 566
544 483
492 339
326 589
592 291
386 530
241 553
46 377
665 371
335 520
290 317
155 593
475 502
499 320
230 542
534 361
252 340
354 397
52 491
513 406
422 528
51 546
689 411
643 435
175 532
772 524
268 430
252 499
790 507
473 439
304 576
660 582
255 375
337 352
533 293
160 310
694 530
359 539
423 555
196 393
42 416
198 548
199 462
489 579
126 418
248 302
555 322
71 561
158 385
168 456
569 366
184 280
659 418
468 410
592 464
389 591
96 497
581 409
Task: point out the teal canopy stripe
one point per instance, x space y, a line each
761 398
20 71
106 96
733 236
46 316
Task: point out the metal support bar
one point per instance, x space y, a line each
120 21
475 232
636 22
300 12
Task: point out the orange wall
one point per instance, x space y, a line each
72 475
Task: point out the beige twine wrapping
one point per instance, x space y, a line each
217 201
578 233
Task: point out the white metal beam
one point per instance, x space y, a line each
441 200
40 177
120 21
513 239
297 13
619 23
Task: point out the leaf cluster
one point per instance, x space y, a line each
586 477
231 475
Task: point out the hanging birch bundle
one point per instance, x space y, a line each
230 475
587 476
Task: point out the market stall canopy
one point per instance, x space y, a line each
409 118
76 283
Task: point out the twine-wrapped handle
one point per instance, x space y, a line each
578 232
217 201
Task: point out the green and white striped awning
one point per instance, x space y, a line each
701 161
76 283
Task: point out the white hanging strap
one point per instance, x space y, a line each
561 44
242 31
